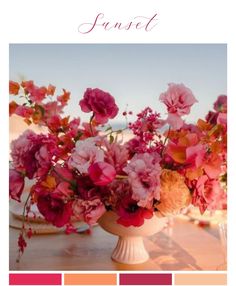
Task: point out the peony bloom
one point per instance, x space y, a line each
16 184
221 104
101 103
102 173
131 214
85 154
178 99
32 153
208 194
144 176
53 208
88 210
175 195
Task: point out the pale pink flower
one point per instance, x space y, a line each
88 210
178 100
117 155
85 153
144 176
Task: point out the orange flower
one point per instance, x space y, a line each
174 195
12 107
51 89
14 87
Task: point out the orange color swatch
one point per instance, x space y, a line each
90 279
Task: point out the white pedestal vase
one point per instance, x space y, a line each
130 248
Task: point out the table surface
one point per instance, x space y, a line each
183 246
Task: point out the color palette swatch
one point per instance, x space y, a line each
90 279
145 279
118 279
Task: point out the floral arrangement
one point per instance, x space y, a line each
83 169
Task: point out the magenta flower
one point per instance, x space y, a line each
53 208
178 100
101 103
102 173
16 184
144 176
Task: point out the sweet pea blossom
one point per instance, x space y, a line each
101 103
16 184
178 99
102 173
144 176
85 153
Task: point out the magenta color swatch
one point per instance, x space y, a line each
34 279
146 279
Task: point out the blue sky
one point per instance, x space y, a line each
135 74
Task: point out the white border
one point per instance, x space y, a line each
56 21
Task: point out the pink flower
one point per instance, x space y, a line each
52 206
101 103
208 194
36 94
131 214
102 173
32 153
117 155
178 99
24 111
85 153
144 176
16 184
222 119
88 210
221 104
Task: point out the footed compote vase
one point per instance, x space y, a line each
130 247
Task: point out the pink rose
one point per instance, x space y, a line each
102 173
178 99
16 184
85 153
101 103
89 210
144 176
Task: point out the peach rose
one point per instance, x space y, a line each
174 194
